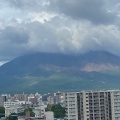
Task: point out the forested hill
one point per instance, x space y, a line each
35 72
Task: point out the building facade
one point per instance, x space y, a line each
71 106
13 109
92 105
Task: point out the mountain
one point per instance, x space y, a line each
51 72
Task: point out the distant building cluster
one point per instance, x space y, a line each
83 105
18 102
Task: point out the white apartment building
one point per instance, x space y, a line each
49 115
71 106
9 103
13 109
93 105
115 104
39 111
17 102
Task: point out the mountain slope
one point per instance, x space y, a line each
49 72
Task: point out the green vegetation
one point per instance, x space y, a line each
63 82
12 116
28 109
48 108
60 72
2 111
59 111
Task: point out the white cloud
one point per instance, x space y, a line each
52 26
3 62
40 17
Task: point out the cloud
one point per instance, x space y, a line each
27 5
3 62
13 41
98 12
70 27
76 38
92 10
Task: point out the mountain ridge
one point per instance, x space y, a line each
34 71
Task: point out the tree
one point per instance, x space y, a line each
59 111
28 109
12 116
2 111
32 114
48 108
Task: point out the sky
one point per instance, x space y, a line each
63 26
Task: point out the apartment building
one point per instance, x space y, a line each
13 109
92 105
39 111
71 106
115 104
9 103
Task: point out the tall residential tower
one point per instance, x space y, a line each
93 105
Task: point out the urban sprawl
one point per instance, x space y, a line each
83 105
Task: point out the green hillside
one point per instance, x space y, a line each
46 72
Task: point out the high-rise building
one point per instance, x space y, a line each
115 104
92 105
71 105
21 97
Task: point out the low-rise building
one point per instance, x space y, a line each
49 115
9 103
13 109
39 111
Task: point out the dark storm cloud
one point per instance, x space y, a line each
96 11
92 10
66 26
14 34
27 5
29 37
13 41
